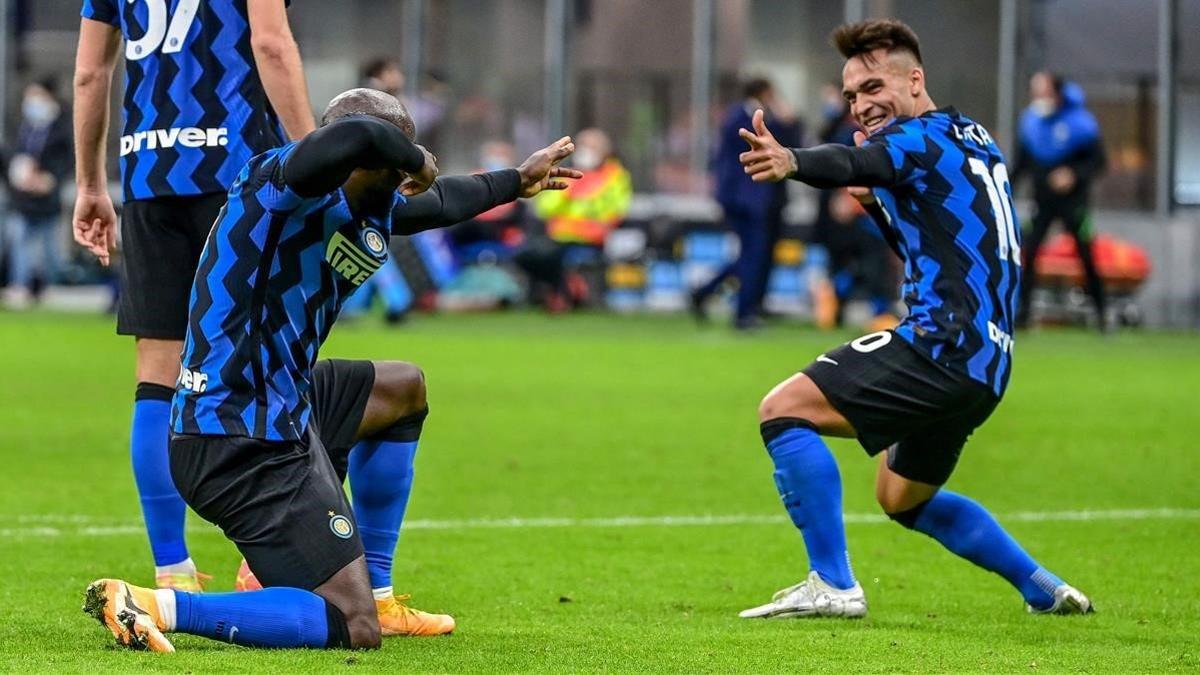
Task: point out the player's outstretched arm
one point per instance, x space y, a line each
541 170
279 67
453 199
825 166
324 159
94 222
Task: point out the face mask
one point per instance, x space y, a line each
39 112
1043 107
586 158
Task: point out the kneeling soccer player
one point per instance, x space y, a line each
263 432
942 199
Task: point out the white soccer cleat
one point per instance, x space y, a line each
809 598
1067 600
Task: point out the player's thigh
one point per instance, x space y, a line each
398 391
160 247
897 493
799 397
281 503
884 388
353 400
917 464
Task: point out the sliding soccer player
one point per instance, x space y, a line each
916 393
263 432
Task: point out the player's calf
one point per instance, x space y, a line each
349 591
380 467
967 530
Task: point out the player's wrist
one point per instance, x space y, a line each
793 164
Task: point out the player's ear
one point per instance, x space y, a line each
916 81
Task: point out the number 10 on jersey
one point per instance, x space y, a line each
996 182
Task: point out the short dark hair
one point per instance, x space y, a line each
49 83
371 102
755 87
864 37
375 67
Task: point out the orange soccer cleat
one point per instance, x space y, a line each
396 618
129 612
190 583
246 581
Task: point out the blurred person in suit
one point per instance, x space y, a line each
753 210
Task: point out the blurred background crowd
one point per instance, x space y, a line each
1096 103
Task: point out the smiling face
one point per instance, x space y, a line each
880 86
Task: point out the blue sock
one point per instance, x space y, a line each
808 481
273 617
969 531
162 507
381 476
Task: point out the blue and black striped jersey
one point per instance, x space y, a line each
195 110
949 210
272 279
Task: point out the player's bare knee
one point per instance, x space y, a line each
784 402
401 386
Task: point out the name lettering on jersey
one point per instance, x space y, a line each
349 260
974 133
188 137
1002 339
193 380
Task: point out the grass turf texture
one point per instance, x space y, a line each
595 416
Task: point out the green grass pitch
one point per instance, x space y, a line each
589 431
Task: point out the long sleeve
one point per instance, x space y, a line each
1089 162
833 165
453 199
324 159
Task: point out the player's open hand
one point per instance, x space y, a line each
541 171
418 182
94 224
766 160
862 194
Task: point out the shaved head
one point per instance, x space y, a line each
372 103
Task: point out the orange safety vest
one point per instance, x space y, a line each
590 208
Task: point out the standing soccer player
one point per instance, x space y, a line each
942 198
208 86
263 432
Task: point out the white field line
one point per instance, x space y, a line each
78 525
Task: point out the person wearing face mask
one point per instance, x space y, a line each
39 162
754 211
578 218
497 228
1060 149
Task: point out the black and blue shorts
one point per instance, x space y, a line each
282 502
899 400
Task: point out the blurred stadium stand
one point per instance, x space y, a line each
656 76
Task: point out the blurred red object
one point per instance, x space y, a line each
1122 265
